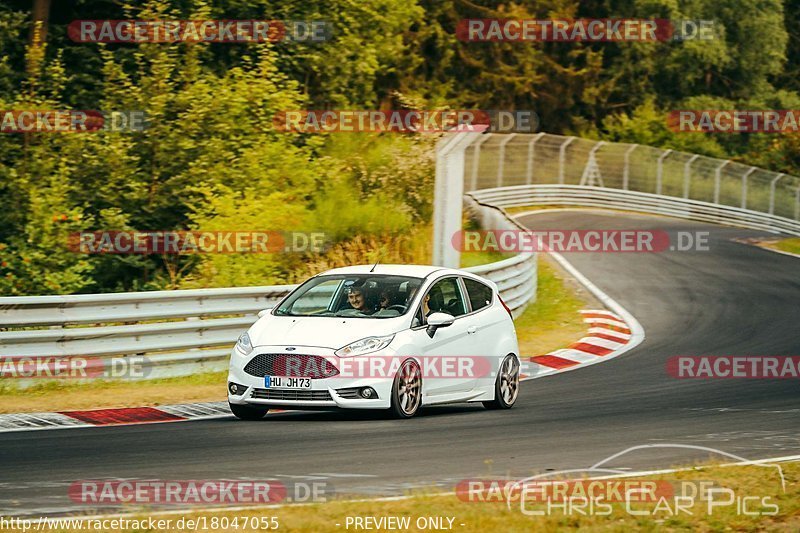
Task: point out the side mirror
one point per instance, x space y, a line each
438 320
264 311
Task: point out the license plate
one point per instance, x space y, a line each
282 382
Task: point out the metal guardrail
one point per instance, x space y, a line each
16 311
176 332
515 278
599 197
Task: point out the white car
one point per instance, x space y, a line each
392 337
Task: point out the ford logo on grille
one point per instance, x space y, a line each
291 349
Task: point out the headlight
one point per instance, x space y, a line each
243 345
370 344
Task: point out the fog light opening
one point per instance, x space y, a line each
236 389
368 393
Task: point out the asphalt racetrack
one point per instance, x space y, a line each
734 299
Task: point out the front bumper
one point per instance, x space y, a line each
323 394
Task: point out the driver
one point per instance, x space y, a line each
358 300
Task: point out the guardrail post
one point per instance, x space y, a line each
529 176
562 155
476 158
717 179
687 175
660 170
744 186
447 196
772 192
626 168
501 162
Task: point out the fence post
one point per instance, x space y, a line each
626 168
717 178
529 177
660 170
501 162
687 175
772 192
797 204
448 192
562 155
476 158
744 186
592 169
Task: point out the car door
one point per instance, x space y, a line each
487 326
447 358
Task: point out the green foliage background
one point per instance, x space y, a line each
210 158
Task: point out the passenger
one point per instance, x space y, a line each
426 310
436 294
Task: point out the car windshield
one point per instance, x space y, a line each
352 295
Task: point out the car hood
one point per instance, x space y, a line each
326 332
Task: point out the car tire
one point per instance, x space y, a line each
246 412
506 385
407 390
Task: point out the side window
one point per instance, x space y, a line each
445 297
480 295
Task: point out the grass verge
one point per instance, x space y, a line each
791 245
471 259
550 323
67 396
756 490
553 321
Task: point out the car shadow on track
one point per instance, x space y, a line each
354 415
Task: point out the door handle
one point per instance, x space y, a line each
472 329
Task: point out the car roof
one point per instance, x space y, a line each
415 271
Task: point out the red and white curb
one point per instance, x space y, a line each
612 332
113 417
608 335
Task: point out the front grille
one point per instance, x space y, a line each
300 395
296 366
